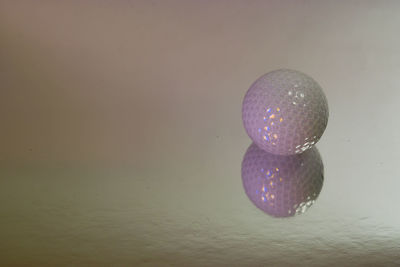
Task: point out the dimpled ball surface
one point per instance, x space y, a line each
285 112
282 186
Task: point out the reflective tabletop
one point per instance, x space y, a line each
122 142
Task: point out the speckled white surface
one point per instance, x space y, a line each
121 137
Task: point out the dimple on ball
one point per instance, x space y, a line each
285 112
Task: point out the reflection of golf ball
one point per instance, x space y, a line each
285 112
279 185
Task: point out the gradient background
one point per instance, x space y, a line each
121 136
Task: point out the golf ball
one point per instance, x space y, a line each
282 186
285 112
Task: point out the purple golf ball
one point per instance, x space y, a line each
285 112
282 186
